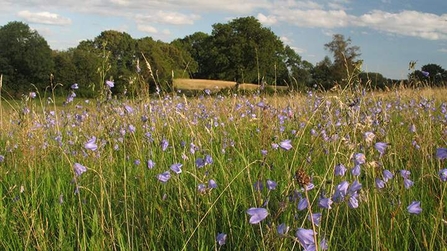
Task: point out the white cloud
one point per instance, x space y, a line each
167 17
43 18
315 18
267 20
147 29
444 50
408 23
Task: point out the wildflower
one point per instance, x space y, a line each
79 169
414 207
353 202
221 238
379 183
380 147
164 177
212 184
369 136
387 175
164 144
201 187
408 183
176 168
441 153
302 204
405 174
286 145
356 170
354 187
271 185
257 214
359 159
264 152
2 158
208 159
200 162
316 218
91 145
306 238
74 86
443 174
150 164
282 229
258 186
110 84
275 146
340 170
340 191
32 95
425 73
137 162
325 203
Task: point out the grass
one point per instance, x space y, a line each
120 204
201 84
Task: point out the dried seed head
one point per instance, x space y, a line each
302 178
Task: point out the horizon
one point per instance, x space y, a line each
389 33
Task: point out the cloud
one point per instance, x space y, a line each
408 23
444 50
43 18
167 17
266 20
315 18
147 29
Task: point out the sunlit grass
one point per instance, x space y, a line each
119 203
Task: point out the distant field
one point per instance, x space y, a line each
201 84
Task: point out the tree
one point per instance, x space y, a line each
345 58
25 58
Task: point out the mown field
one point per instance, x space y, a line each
339 171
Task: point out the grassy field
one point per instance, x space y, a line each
346 171
215 85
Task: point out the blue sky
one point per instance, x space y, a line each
390 33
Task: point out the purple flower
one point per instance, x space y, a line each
443 174
325 203
302 204
306 238
359 159
137 162
425 73
369 136
355 186
110 84
387 175
75 86
271 185
2 158
257 214
208 160
201 187
405 174
264 152
212 184
200 162
356 170
414 207
176 168
79 169
275 146
340 170
286 145
282 229
32 95
340 191
441 153
91 145
408 183
380 147
164 144
164 177
221 238
150 164
353 202
379 183
316 217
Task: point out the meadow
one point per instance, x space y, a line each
338 171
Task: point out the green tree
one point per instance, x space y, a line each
345 56
244 51
373 80
437 75
25 58
299 70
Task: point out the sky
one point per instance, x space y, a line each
390 33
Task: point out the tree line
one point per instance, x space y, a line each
241 50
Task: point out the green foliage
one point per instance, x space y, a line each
373 80
25 59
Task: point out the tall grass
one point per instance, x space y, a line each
120 204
